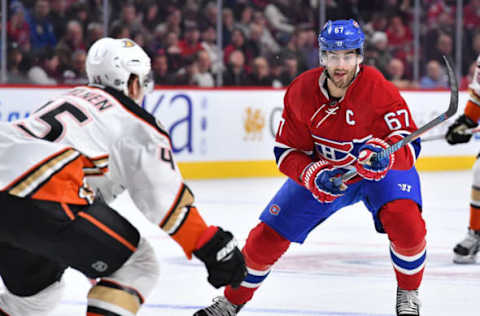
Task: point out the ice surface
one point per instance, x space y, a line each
343 269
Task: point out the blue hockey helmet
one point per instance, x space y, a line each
341 35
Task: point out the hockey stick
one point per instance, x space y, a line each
469 131
452 109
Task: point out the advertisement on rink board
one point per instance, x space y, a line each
236 125
219 125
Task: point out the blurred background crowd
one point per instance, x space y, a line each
263 43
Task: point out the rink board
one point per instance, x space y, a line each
268 168
222 133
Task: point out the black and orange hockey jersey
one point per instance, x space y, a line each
123 147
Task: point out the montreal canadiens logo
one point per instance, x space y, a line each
339 153
274 209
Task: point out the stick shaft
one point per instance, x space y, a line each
452 109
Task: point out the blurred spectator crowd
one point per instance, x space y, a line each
264 43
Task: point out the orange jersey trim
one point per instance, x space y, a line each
67 211
64 186
107 230
190 231
177 200
26 173
97 167
472 110
57 178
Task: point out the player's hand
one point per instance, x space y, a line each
368 165
318 178
456 132
222 258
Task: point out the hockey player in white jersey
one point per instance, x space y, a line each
465 252
52 219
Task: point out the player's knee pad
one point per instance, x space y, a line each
403 222
124 291
264 245
38 304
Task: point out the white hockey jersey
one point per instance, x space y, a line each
472 108
33 168
129 148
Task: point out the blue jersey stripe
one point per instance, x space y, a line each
416 146
409 265
255 278
278 151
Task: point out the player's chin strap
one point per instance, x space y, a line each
452 109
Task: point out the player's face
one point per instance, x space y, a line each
341 66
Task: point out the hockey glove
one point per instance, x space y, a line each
318 178
456 132
368 165
224 261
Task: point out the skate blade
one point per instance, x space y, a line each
464 259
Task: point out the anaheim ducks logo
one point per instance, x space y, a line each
253 122
127 43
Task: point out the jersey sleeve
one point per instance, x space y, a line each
395 124
472 108
293 142
146 168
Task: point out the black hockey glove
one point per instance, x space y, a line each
223 259
456 132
